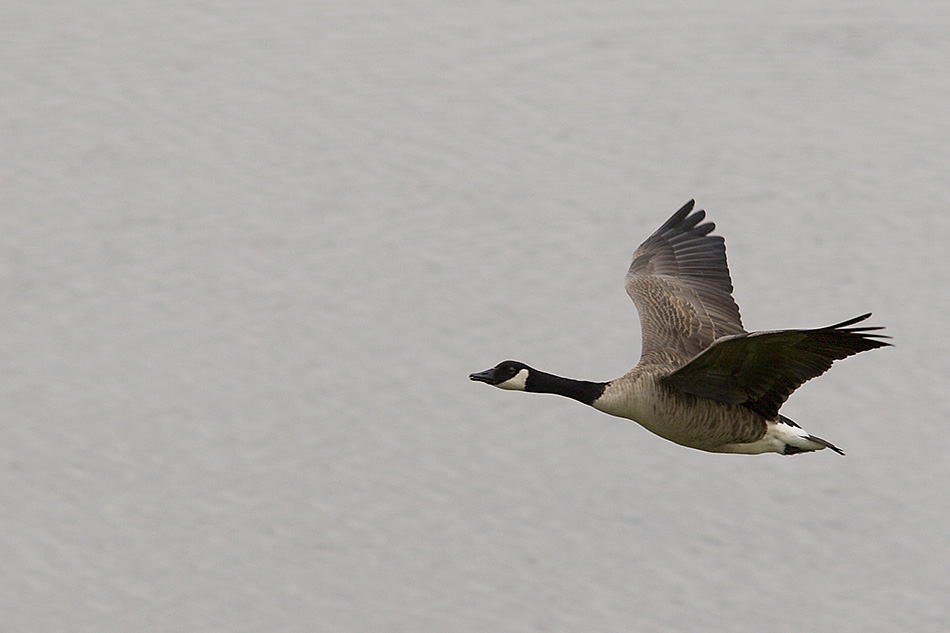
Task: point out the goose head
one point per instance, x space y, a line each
509 374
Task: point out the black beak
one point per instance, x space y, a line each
484 376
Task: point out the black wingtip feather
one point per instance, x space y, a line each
690 222
686 221
856 319
677 217
864 332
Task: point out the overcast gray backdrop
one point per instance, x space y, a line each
249 254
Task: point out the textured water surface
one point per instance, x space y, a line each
249 256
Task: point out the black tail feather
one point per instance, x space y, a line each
826 444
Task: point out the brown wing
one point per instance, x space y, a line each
762 369
680 283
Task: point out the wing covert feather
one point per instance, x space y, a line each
680 284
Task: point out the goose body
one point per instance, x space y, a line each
702 380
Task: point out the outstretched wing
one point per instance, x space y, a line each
760 370
680 284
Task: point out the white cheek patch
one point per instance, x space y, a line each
516 382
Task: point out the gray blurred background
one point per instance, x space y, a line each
250 253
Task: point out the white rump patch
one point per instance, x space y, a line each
794 435
776 437
516 382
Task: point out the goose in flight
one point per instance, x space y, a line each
703 381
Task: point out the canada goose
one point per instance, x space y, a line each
703 381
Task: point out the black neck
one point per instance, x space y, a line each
580 390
